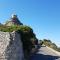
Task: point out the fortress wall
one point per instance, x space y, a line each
11 46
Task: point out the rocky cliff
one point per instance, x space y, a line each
11 46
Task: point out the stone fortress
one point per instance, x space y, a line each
10 43
13 20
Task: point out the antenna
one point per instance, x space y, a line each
14 14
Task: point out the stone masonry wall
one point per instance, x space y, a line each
11 46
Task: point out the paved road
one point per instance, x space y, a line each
45 54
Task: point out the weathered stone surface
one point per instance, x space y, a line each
11 46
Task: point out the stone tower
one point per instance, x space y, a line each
13 21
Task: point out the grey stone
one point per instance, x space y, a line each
11 46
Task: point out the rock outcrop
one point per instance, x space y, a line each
11 46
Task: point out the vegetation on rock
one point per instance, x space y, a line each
27 36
